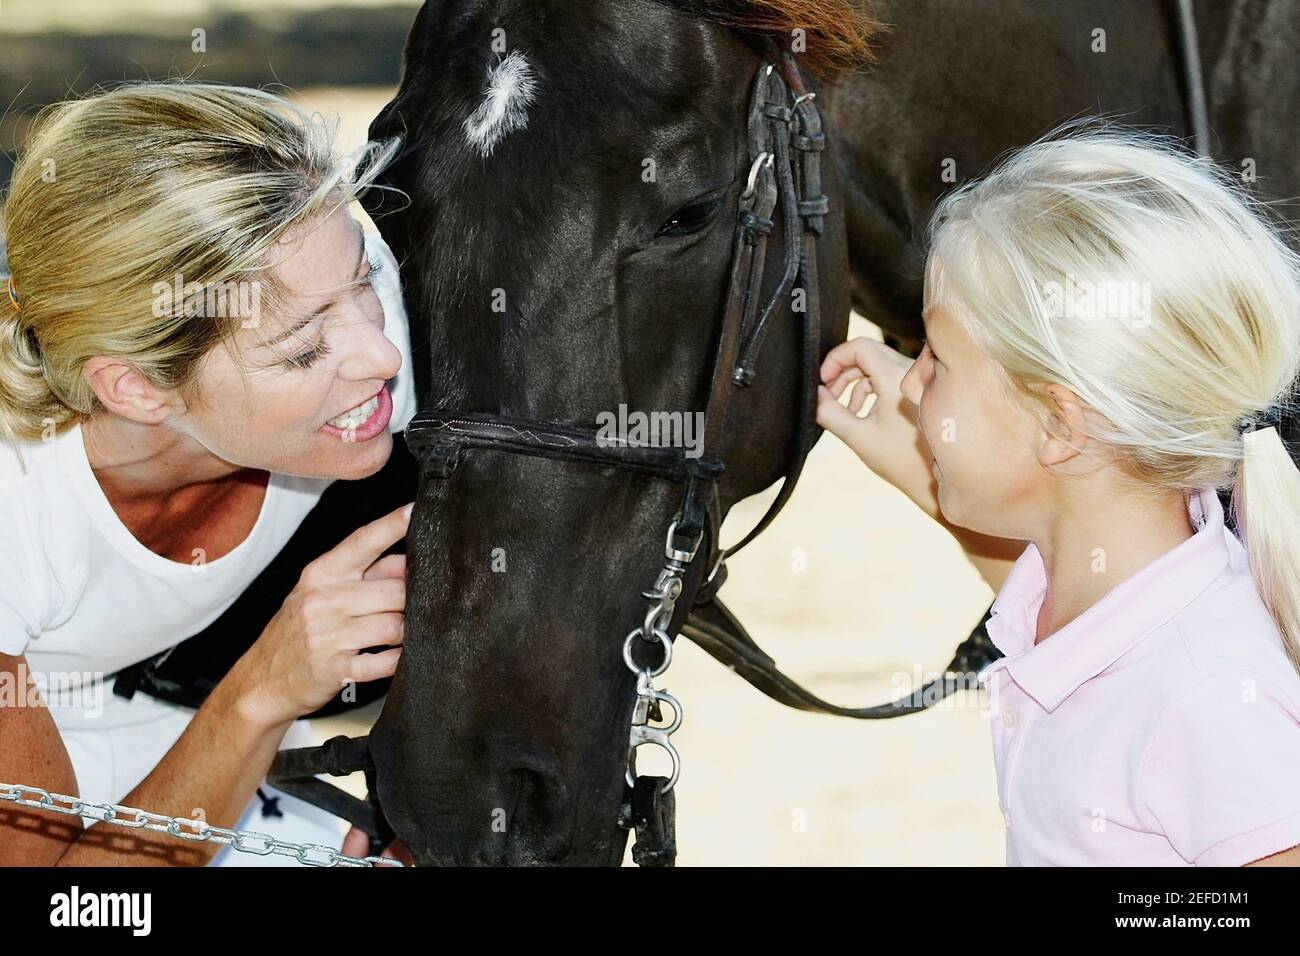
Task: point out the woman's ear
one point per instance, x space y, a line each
122 390
1065 434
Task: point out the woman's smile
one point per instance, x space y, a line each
363 422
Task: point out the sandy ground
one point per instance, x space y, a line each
857 593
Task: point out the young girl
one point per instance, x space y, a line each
1112 330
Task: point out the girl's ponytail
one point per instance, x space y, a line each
1266 503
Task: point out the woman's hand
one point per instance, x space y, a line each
347 600
357 843
886 438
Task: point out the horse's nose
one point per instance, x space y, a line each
533 806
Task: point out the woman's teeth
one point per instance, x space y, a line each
354 417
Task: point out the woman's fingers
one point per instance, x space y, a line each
367 667
362 548
356 843
389 566
361 598
376 630
397 851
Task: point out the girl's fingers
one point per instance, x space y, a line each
836 360
844 355
834 417
860 393
847 377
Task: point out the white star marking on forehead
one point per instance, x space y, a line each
510 90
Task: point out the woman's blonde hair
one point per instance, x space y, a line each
1152 285
131 191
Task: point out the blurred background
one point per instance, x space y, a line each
853 590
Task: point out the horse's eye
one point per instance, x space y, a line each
690 219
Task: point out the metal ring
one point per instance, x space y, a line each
670 728
713 571
664 639
799 101
763 159
672 752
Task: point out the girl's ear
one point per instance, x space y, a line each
1065 435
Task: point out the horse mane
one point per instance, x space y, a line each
839 33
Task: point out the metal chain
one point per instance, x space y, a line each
183 828
663 601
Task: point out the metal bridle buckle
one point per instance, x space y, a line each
648 699
658 618
674 554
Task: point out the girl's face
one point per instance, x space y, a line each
302 391
981 442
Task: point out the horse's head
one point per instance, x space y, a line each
574 173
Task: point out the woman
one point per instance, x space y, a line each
196 341
1112 329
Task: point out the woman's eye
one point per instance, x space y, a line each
309 358
690 219
373 274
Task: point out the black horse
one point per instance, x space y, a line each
503 738
565 251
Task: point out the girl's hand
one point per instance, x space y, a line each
886 438
347 600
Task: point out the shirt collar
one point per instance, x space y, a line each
1049 672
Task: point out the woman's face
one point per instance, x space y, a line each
302 390
988 474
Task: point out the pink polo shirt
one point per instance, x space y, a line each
1159 728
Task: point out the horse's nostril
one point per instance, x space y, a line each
534 814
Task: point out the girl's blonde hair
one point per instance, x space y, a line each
1152 285
140 188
